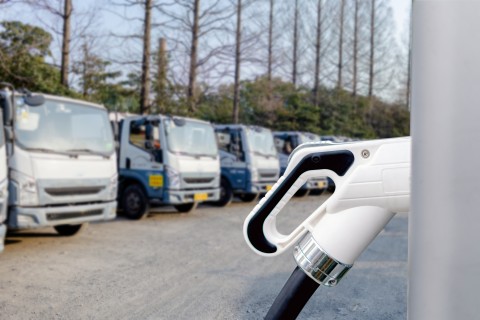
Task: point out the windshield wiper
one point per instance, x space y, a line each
205 155
66 153
90 151
263 154
195 155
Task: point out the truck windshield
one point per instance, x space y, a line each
60 126
261 141
309 137
191 138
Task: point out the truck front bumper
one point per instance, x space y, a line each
37 217
260 187
188 196
3 231
315 184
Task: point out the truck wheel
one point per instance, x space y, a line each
248 197
331 186
186 207
226 194
316 192
134 202
69 229
302 193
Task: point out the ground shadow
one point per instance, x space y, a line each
33 235
11 241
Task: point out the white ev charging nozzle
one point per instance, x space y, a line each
317 264
372 183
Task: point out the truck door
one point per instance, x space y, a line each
232 157
283 144
141 154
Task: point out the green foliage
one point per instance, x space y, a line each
281 106
97 83
216 107
23 50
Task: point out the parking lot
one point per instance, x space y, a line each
187 266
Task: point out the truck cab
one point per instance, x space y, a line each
249 162
3 171
61 162
286 142
166 160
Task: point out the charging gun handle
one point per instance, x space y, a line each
338 161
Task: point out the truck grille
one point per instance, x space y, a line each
69 215
198 180
267 175
75 191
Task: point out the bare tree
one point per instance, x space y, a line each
355 48
198 32
318 50
382 48
145 82
238 41
67 13
270 41
193 56
161 84
64 12
340 45
371 73
295 43
68 24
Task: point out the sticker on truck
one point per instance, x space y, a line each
155 181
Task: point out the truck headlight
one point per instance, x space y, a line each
173 177
216 180
3 189
113 186
254 173
27 194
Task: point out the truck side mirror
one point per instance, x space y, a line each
6 103
34 100
148 145
8 133
115 130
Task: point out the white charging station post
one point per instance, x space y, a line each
444 225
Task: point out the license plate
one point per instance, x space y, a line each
268 188
321 184
200 196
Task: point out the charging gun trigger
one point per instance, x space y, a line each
338 161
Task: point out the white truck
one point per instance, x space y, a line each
61 162
249 160
3 172
286 142
166 160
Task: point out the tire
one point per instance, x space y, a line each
226 194
302 193
134 202
69 230
248 197
316 192
331 186
186 207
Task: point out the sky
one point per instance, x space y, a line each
401 9
111 22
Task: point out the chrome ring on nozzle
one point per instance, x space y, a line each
317 264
